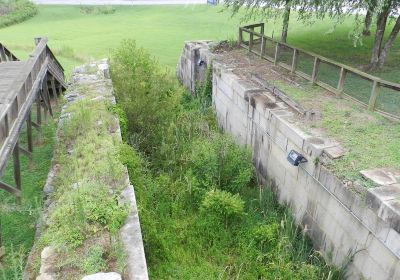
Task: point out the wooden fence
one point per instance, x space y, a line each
372 92
24 83
6 55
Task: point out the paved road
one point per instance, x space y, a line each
119 2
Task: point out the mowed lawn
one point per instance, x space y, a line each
162 30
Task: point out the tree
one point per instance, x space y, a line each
385 9
368 17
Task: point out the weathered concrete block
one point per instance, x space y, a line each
381 256
393 241
294 134
382 176
376 196
243 86
225 89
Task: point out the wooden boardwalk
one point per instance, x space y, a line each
24 84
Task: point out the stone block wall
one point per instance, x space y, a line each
340 221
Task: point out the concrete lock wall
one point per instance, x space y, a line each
341 222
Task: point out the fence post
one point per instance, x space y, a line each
251 41
276 53
262 29
240 36
262 46
315 70
374 95
342 77
294 60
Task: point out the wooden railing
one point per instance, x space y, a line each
16 104
370 91
6 55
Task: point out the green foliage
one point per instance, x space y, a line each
137 77
93 261
204 92
223 206
83 212
266 234
123 120
193 190
218 161
15 11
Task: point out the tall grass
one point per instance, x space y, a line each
203 214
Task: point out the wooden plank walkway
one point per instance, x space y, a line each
23 84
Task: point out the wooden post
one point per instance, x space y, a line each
46 96
38 110
45 107
374 95
3 56
17 167
342 78
262 53
262 29
251 41
17 170
29 132
276 53
240 36
295 59
60 91
53 88
315 70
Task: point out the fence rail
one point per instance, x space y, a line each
370 91
6 55
26 82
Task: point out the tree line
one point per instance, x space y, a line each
369 12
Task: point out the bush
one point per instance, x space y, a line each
149 96
266 235
223 206
218 161
16 11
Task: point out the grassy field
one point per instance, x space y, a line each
77 35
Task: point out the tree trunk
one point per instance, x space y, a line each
285 25
368 18
380 31
389 43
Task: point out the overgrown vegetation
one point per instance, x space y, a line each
84 222
203 214
15 11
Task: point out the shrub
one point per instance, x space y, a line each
266 235
223 206
148 95
218 161
16 11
